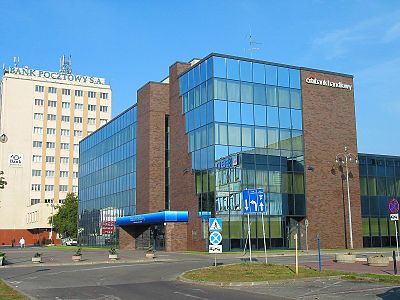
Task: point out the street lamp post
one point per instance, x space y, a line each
51 229
343 160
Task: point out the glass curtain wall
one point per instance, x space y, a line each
379 183
107 182
234 106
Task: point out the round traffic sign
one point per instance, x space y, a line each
393 206
215 238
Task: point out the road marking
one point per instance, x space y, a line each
351 291
188 295
14 282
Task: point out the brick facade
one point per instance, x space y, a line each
329 124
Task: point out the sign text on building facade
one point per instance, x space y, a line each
325 82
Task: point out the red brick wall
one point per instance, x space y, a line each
329 125
31 237
153 105
176 238
182 182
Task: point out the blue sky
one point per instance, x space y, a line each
132 42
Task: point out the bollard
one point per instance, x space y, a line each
319 253
394 263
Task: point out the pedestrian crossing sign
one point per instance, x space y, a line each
215 224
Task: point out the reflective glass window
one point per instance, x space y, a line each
196 114
246 92
295 98
203 93
260 96
271 75
234 112
285 139
283 77
210 112
294 77
197 96
220 89
220 111
233 90
297 122
258 73
273 138
284 97
183 84
246 71
234 149
203 115
196 75
210 89
209 68
272 116
190 79
247 136
284 118
191 99
203 71
221 134
210 134
219 67
272 97
247 114
233 69
261 137
234 135
260 115
220 151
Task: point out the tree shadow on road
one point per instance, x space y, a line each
392 294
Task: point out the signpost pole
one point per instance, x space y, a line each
265 244
397 239
249 232
306 223
297 258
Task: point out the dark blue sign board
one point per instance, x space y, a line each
154 218
254 201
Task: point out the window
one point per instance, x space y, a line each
103 95
37 144
76 161
103 108
39 88
77 132
92 107
61 201
63 188
35 201
65 118
92 94
63 173
77 119
103 122
79 93
78 106
52 103
51 117
65 146
52 90
38 116
38 130
75 189
48 200
51 131
65 105
37 158
64 160
39 102
36 172
51 145
36 187
76 147
75 175
66 92
49 187
49 173
50 159
92 121
65 132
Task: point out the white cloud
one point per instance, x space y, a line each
392 33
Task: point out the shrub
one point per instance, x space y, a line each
78 252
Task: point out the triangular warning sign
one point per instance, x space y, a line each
215 226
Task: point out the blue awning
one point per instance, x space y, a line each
157 217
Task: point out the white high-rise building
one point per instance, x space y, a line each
44 115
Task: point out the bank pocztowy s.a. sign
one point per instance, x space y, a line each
324 82
55 75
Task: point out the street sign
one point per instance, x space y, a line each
393 206
254 201
306 222
215 249
215 238
215 224
394 217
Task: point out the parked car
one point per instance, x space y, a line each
71 242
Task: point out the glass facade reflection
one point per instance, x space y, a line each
251 110
107 182
379 183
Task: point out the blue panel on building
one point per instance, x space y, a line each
157 217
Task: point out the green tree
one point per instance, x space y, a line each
65 221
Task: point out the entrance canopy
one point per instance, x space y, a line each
157 217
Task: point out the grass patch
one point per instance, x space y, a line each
248 272
10 294
76 247
389 279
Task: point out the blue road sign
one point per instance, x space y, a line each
254 201
215 238
215 224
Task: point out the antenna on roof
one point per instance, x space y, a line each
252 43
16 61
66 64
